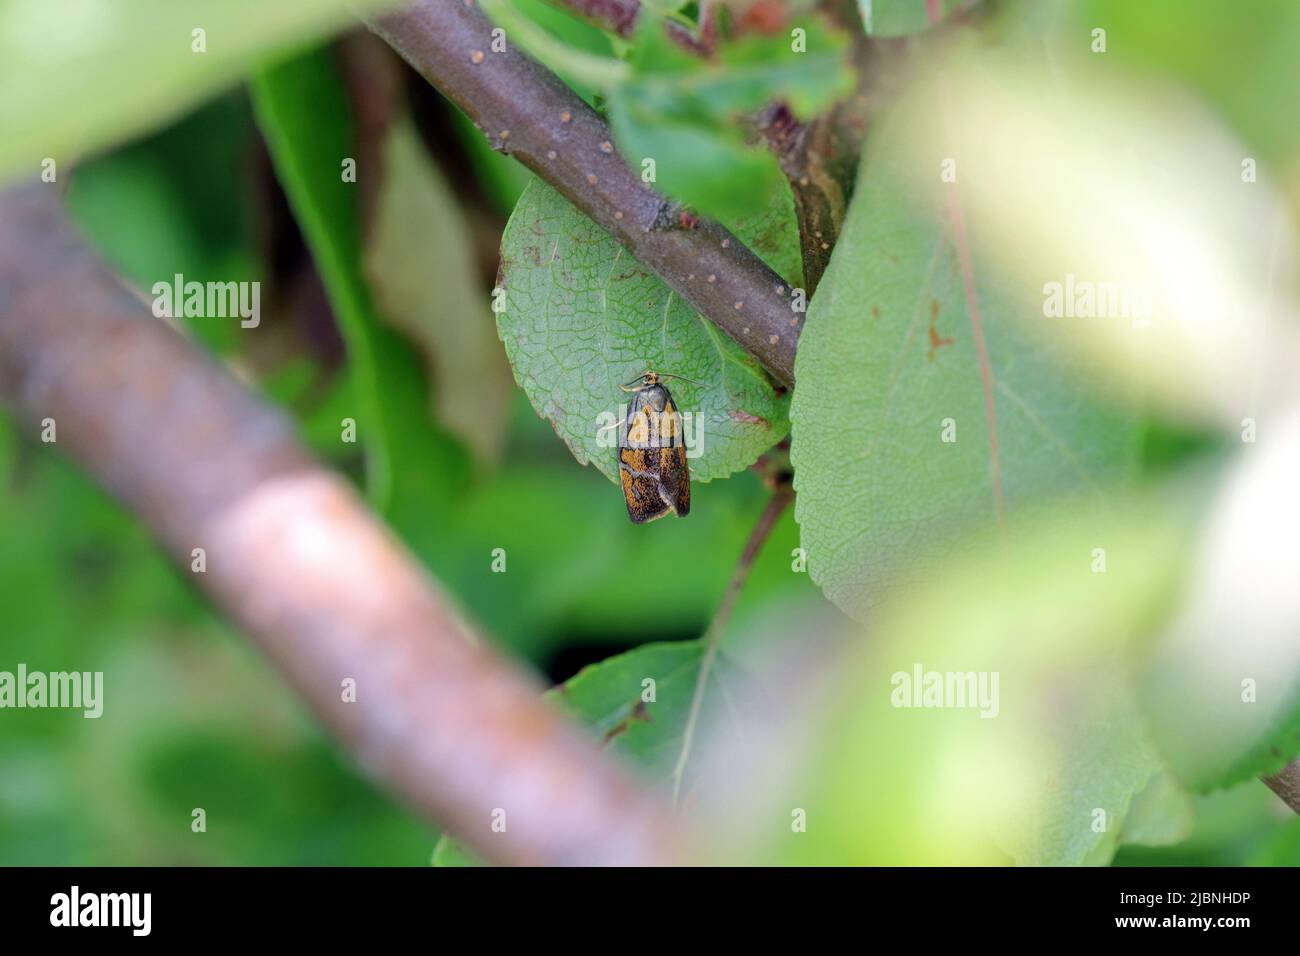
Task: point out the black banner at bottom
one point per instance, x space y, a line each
337 905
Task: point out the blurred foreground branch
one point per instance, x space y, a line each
525 110
296 560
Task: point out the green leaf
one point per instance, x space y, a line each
1258 102
1051 764
609 698
581 317
927 404
1101 760
75 78
897 18
746 74
1160 814
577 51
1222 683
178 202
448 852
412 467
689 114
419 259
708 167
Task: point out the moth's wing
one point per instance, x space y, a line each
675 479
636 432
674 471
638 469
670 432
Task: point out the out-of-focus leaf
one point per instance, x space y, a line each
178 203
1162 813
420 263
1223 685
1239 58
687 114
1042 766
1229 827
926 405
79 75
1168 262
1279 847
450 853
413 468
582 316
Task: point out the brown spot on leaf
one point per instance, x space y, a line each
639 712
936 341
746 418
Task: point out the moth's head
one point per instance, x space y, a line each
654 396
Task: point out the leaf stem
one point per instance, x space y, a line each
781 497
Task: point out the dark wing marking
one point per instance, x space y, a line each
675 479
639 472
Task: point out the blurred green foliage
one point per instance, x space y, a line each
194 718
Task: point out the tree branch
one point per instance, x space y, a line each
295 559
528 112
1286 784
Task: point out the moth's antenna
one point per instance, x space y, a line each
681 378
629 387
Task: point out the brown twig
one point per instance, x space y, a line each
528 112
820 157
1286 784
294 558
781 497
810 155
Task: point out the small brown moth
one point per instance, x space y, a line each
652 452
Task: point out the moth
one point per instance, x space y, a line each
652 452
